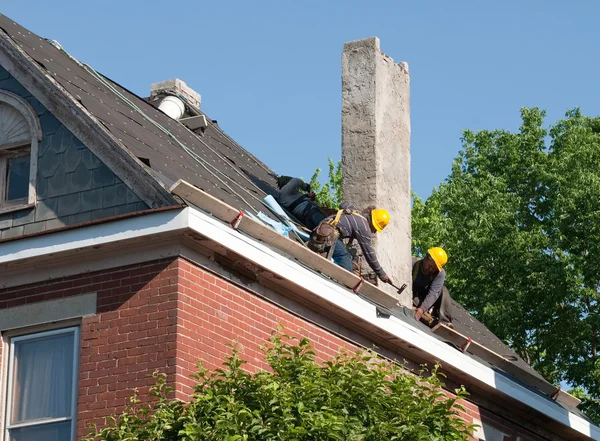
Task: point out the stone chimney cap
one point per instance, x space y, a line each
176 87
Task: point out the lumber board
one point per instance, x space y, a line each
494 358
259 231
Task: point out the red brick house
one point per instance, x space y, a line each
122 251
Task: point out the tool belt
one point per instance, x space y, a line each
326 234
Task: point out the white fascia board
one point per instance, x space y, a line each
105 233
269 259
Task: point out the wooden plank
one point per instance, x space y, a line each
495 359
567 399
259 231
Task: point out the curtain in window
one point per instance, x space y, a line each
44 432
42 379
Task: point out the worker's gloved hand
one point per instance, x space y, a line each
311 196
386 279
419 314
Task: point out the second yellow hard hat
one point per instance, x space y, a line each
439 256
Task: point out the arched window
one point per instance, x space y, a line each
20 133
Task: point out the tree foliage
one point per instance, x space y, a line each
351 397
328 194
519 215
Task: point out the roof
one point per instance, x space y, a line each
212 162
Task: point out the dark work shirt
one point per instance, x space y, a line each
298 204
291 191
428 290
357 227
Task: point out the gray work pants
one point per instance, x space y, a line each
442 308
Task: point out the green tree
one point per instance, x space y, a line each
329 194
519 215
351 397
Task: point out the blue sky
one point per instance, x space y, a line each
269 71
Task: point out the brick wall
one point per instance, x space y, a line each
167 315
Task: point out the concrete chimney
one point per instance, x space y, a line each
178 88
376 150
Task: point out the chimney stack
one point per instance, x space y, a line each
178 88
376 150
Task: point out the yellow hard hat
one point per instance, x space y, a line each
380 218
439 256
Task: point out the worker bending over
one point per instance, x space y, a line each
350 223
428 285
300 205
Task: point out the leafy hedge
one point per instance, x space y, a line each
352 397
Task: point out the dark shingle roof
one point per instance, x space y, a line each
214 163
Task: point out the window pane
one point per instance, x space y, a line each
43 378
45 432
17 178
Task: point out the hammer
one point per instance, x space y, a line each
402 288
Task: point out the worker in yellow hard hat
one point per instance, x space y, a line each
351 223
428 287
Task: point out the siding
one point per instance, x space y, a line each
73 186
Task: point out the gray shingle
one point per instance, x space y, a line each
102 213
49 123
35 227
114 195
90 160
103 176
61 140
46 209
71 158
14 86
36 105
23 217
130 196
48 164
6 221
91 200
69 204
55 223
79 218
41 187
59 183
127 208
12 232
81 179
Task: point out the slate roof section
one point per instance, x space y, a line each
213 163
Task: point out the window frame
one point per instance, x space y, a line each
35 131
9 371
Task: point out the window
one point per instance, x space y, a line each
42 386
20 132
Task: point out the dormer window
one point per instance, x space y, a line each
20 133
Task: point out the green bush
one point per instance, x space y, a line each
352 397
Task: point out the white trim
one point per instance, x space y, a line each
74 385
345 300
398 333
139 227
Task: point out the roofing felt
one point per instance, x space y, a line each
213 162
